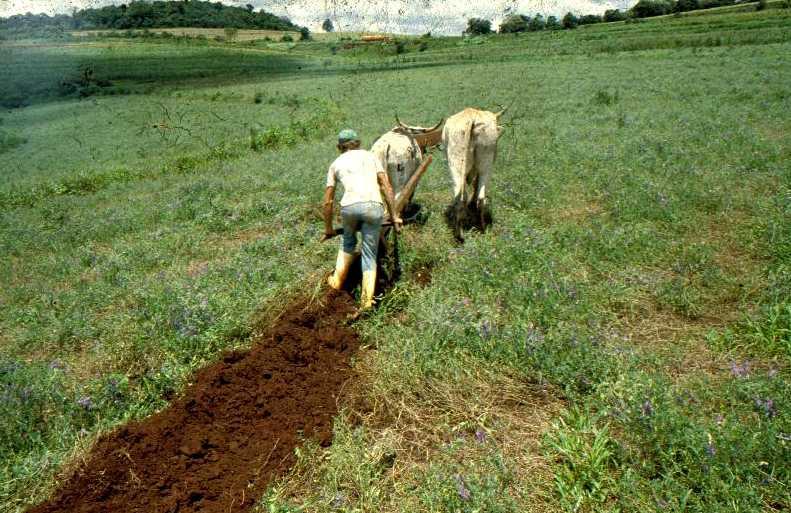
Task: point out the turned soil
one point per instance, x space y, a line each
235 428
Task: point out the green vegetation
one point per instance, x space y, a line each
619 341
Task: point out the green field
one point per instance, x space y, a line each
619 341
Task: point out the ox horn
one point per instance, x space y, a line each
402 125
436 127
498 114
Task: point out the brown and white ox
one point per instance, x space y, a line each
401 151
470 140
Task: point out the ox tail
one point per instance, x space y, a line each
468 156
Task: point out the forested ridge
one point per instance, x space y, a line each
157 14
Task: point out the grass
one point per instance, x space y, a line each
618 341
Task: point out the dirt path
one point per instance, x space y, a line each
234 429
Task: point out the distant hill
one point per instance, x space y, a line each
157 14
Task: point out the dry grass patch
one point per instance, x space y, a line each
405 430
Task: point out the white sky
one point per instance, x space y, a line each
405 16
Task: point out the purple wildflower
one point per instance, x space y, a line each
57 365
534 334
464 493
767 405
85 402
647 409
719 419
740 370
339 500
710 450
480 436
771 373
486 329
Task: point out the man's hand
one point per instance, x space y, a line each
327 236
398 223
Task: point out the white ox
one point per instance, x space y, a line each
401 150
470 140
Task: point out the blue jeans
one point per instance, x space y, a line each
364 217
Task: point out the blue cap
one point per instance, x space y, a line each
346 135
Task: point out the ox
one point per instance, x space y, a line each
401 150
470 140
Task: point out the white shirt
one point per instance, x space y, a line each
357 170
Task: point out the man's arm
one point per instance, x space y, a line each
387 192
329 199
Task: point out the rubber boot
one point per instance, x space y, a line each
342 265
367 290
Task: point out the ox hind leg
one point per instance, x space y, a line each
457 210
455 213
484 163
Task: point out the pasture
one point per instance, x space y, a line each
618 341
240 35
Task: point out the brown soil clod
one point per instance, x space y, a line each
235 428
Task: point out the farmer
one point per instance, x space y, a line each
365 184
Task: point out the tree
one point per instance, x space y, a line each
589 19
327 26
304 34
553 23
536 24
513 24
616 15
570 21
478 26
648 8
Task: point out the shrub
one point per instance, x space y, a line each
231 33
478 26
304 34
400 47
287 38
603 97
570 21
513 24
9 141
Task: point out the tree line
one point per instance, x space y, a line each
158 14
642 9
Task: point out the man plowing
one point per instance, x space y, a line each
365 188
